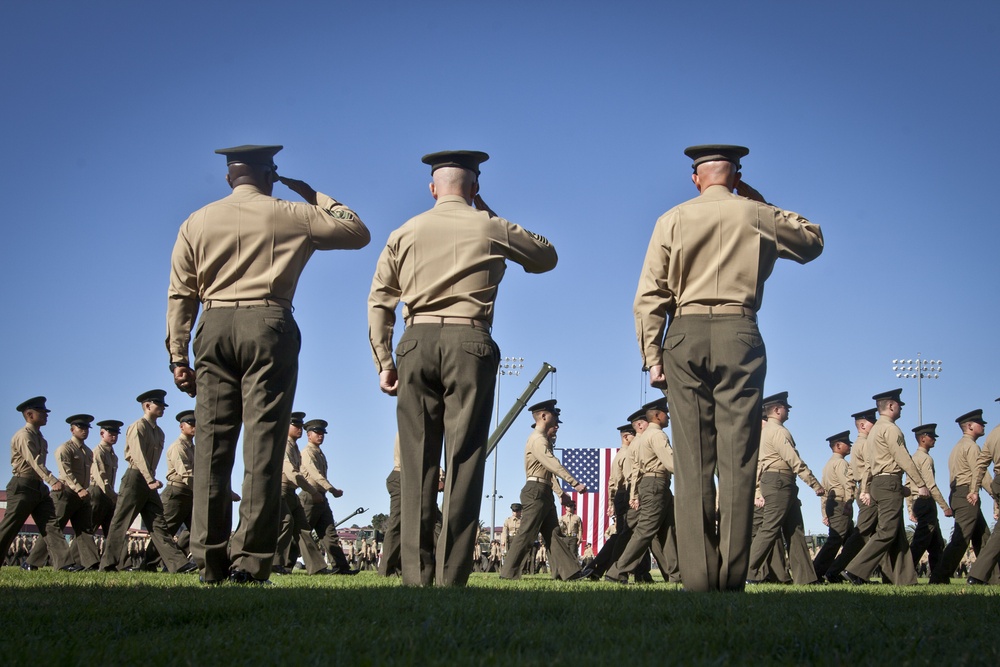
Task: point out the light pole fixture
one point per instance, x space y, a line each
920 370
508 366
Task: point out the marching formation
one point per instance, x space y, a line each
735 518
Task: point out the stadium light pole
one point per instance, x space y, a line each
508 366
918 369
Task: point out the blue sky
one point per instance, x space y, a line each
875 120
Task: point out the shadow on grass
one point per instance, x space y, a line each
171 619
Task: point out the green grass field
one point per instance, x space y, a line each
160 619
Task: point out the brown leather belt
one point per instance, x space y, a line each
697 309
248 303
439 319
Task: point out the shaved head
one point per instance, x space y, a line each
716 172
454 181
258 175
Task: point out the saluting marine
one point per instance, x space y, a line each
240 259
704 271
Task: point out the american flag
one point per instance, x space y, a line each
593 468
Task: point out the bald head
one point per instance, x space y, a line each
454 181
258 175
717 172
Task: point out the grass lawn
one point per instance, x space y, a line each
56 618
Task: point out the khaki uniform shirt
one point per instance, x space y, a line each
886 453
650 453
859 462
104 468
73 461
925 466
28 450
616 477
838 481
180 462
291 468
540 462
571 525
314 468
693 240
447 261
143 446
963 464
511 527
990 454
249 246
778 453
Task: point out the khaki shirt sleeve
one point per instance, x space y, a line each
532 251
903 459
654 300
926 469
134 437
556 487
797 238
183 299
100 473
333 226
786 450
382 301
660 444
548 461
311 471
36 460
64 461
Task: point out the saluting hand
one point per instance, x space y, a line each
481 205
301 188
744 190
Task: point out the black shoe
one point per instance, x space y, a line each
187 567
972 581
349 573
579 574
853 578
754 582
324 571
93 568
244 578
833 578
28 568
71 568
613 580
281 570
644 578
133 569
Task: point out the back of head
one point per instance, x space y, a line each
454 181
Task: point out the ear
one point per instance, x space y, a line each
697 183
433 190
229 181
737 177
